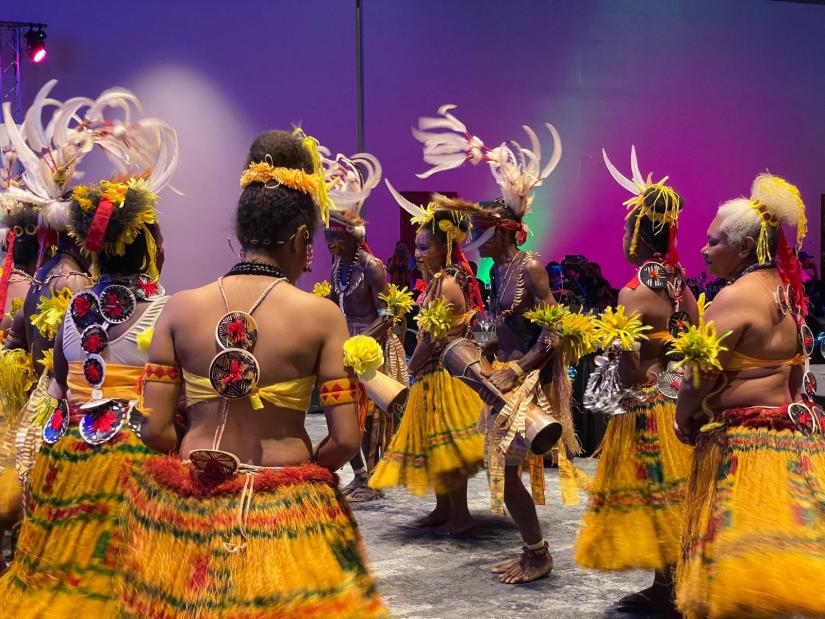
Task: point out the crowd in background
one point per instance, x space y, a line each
579 283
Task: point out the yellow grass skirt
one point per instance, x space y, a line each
634 513
269 543
754 543
437 443
67 558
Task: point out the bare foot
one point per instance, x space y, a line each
364 494
532 565
360 481
453 527
433 519
503 566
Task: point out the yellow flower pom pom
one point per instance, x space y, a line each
548 316
700 346
50 313
399 301
322 289
144 339
616 325
363 354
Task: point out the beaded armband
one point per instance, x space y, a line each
339 391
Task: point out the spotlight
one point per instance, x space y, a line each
36 45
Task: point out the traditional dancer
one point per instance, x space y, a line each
754 538
633 519
359 286
67 562
519 285
436 445
251 522
49 156
18 228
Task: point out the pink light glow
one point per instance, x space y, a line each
40 55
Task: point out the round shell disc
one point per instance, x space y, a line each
57 424
94 339
668 383
653 275
99 425
802 418
94 370
117 303
214 462
818 414
678 323
809 384
781 297
147 288
237 330
234 372
85 310
806 337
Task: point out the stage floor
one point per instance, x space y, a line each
422 576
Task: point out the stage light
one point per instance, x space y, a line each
36 45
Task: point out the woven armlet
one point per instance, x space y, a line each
339 391
157 373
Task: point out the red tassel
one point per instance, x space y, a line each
97 229
366 248
672 256
8 266
459 258
790 272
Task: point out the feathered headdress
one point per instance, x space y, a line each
459 212
350 181
646 194
516 170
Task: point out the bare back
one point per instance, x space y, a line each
292 327
758 330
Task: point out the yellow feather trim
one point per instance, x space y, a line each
363 354
436 319
17 377
48 359
50 313
638 204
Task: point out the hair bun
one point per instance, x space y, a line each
660 201
780 198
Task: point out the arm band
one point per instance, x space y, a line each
339 391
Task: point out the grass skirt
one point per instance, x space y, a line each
67 558
754 541
437 443
634 514
271 543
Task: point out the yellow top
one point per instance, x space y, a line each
295 394
741 361
120 382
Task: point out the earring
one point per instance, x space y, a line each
242 254
308 260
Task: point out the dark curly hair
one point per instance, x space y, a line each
270 214
133 260
462 222
26 247
653 235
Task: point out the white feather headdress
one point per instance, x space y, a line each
350 180
517 170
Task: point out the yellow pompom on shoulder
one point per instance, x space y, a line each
50 313
144 339
436 318
363 354
322 289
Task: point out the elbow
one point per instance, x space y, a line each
164 440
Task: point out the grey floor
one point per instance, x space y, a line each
421 576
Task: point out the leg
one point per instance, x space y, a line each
535 562
439 515
657 598
357 490
460 518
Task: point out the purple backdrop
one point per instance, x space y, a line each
710 92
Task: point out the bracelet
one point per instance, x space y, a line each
517 369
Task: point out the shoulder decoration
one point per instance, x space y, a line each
436 318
